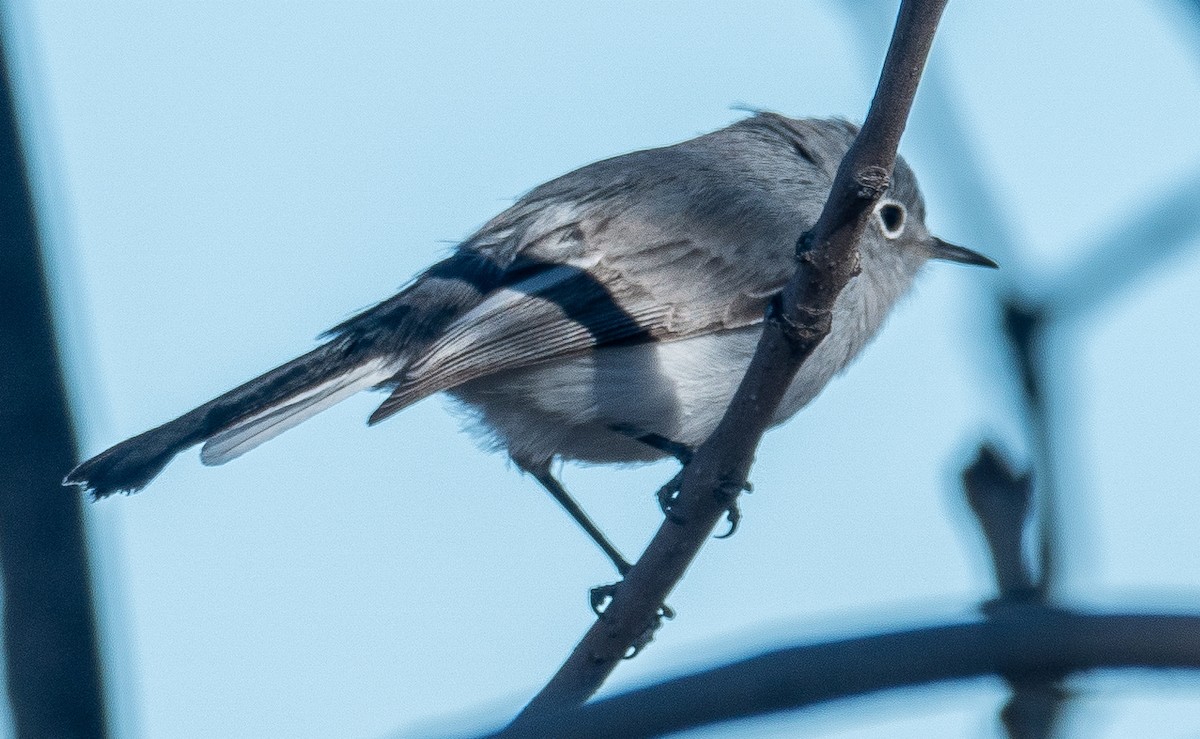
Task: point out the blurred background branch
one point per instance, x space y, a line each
51 657
1029 643
1000 499
1138 244
1014 642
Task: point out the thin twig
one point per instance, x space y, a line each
798 321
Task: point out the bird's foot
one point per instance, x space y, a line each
601 598
728 493
734 516
667 495
665 613
602 595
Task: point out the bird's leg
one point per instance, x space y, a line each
669 492
542 474
676 449
682 452
601 594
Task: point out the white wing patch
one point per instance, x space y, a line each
521 325
461 335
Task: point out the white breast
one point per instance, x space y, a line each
678 390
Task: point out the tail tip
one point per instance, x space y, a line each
94 484
126 467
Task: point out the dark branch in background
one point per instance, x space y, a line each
1194 6
1024 326
1104 270
1030 644
1030 321
1000 500
1033 709
1017 641
827 260
1139 244
53 670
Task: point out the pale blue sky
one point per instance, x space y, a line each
220 182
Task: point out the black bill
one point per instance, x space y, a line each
953 253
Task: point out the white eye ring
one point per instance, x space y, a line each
892 217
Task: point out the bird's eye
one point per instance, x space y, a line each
891 217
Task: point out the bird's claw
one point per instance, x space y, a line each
728 494
601 595
667 495
665 613
734 516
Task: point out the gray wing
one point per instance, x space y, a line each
658 245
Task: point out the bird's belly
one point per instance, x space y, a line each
571 408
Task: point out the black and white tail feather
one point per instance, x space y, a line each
367 351
289 411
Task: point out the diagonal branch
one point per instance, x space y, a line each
797 322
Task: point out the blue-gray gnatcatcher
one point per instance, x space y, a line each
607 316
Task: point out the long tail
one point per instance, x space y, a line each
237 421
364 351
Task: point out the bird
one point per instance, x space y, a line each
606 317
